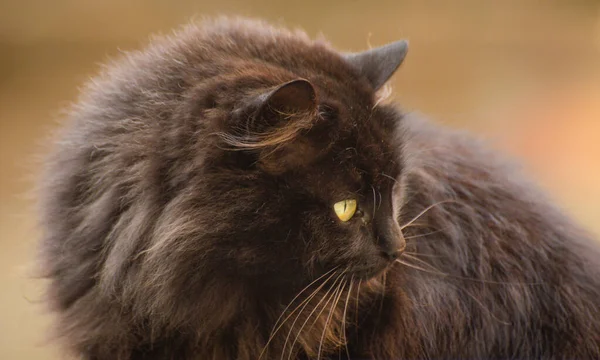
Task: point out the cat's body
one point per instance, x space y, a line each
191 201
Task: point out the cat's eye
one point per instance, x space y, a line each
345 209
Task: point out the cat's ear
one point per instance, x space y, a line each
264 118
276 125
286 102
288 111
296 96
379 64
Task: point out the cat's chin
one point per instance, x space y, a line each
367 273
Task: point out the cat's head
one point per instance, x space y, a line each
300 166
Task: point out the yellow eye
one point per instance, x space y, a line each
345 209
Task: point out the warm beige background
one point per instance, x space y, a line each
523 73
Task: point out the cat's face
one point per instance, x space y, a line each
345 205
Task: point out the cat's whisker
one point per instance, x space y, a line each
384 280
338 295
389 177
417 225
344 317
437 272
276 327
418 268
271 337
374 197
357 307
421 235
306 302
425 211
426 255
425 263
304 289
325 296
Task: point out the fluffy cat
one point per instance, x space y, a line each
239 191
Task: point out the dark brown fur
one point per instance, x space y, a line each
181 217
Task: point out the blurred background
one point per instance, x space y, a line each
525 74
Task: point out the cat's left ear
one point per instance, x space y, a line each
379 64
288 111
275 126
291 98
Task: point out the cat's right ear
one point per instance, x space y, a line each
379 64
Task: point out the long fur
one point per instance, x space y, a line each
173 229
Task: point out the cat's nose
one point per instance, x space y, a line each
391 240
394 248
393 254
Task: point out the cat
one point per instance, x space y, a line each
240 191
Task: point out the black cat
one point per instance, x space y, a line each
238 191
